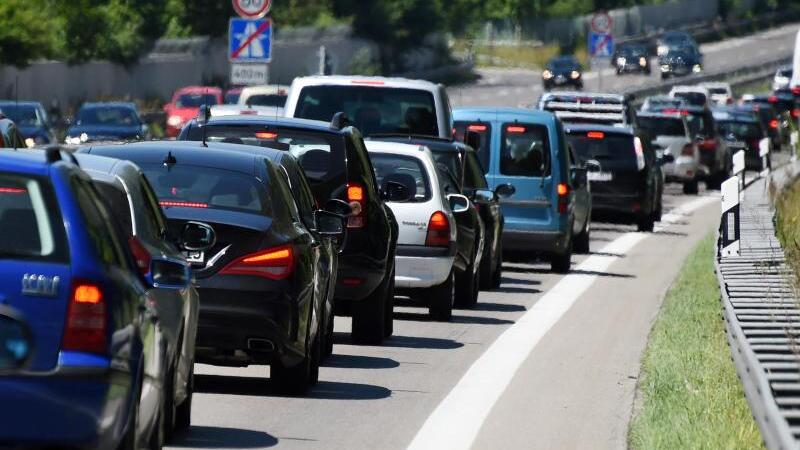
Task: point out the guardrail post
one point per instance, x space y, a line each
763 152
729 224
738 168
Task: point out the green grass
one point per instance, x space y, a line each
787 225
691 396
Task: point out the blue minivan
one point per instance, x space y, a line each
524 153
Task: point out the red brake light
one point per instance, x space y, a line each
368 82
596 135
563 189
515 129
563 198
682 112
438 230
249 112
85 330
772 99
140 254
355 196
477 128
709 145
168 204
274 263
796 90
12 191
796 113
773 123
266 135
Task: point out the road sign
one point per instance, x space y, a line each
252 9
602 23
601 45
250 40
249 74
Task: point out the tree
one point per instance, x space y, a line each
25 32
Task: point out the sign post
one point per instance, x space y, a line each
601 43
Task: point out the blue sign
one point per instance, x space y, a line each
250 40
601 45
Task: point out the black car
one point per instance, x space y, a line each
10 136
679 63
107 122
336 163
672 41
632 58
31 119
743 130
629 185
256 262
769 116
563 71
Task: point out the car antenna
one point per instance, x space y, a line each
205 111
16 102
169 160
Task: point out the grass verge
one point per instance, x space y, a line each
787 225
690 394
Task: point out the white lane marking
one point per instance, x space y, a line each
457 420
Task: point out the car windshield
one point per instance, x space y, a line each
404 170
267 100
739 129
563 63
373 110
203 187
632 51
612 151
662 126
107 115
195 100
524 150
22 115
29 220
321 155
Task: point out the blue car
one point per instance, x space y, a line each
107 122
547 212
31 119
94 379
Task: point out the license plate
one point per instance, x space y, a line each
194 257
600 176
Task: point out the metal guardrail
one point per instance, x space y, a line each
762 319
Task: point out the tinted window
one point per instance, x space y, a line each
740 129
717 90
404 170
692 98
207 187
152 211
484 130
114 116
301 191
23 115
473 173
30 223
449 161
700 124
612 151
267 100
117 202
195 100
373 110
662 126
100 225
524 150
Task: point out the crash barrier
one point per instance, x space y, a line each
761 311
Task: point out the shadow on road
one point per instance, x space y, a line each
359 362
219 437
499 307
613 255
670 233
256 386
424 317
406 342
602 274
517 288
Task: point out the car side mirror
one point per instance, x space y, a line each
485 195
505 190
593 166
16 341
458 203
329 224
169 274
395 192
472 139
339 207
197 237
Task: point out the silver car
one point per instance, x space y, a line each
670 134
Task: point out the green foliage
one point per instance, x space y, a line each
25 32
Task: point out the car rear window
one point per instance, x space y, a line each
321 155
374 110
267 100
662 126
718 90
525 150
699 124
405 170
449 161
30 221
739 129
692 98
195 100
191 186
613 151
484 130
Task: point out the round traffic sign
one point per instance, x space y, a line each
602 23
252 9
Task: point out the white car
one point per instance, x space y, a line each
426 245
243 110
721 93
264 95
671 135
692 95
783 77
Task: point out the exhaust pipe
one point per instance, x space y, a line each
260 345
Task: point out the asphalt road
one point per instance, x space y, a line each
546 361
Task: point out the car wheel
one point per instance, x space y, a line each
296 379
130 439
156 441
467 287
582 240
645 223
328 349
183 413
497 276
487 271
441 298
169 405
561 262
690 187
388 327
369 316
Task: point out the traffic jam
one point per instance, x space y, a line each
267 211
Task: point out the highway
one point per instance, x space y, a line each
546 361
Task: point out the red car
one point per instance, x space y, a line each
185 104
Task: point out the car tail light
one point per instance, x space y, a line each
796 113
515 129
688 150
796 90
708 145
773 123
140 254
368 82
596 135
477 128
438 230
355 196
266 135
562 189
5 190
274 263
86 326
169 204
352 281
772 99
682 112
639 149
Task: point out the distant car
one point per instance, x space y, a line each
245 110
627 187
680 62
131 199
693 95
632 58
563 71
186 103
585 107
96 374
721 93
768 115
31 120
231 96
782 78
672 41
661 102
107 122
266 95
10 137
257 261
670 134
743 130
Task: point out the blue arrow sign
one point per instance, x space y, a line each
601 45
250 40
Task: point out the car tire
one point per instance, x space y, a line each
157 436
369 317
183 413
169 405
327 350
497 276
467 287
441 299
562 262
388 327
295 380
129 440
582 240
487 271
690 187
645 223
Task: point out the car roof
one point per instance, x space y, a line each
689 88
487 114
253 119
198 90
20 103
345 80
108 105
734 115
593 95
659 114
265 89
398 148
580 127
